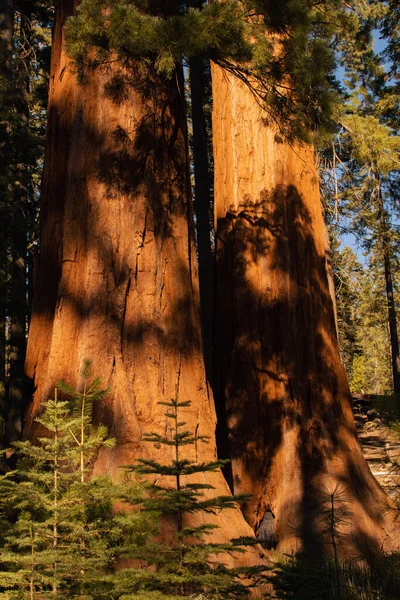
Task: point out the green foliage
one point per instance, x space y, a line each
360 186
61 533
134 30
358 381
373 145
373 341
63 538
311 576
24 66
87 438
25 38
332 516
362 320
282 50
186 566
298 577
347 272
388 409
51 542
390 31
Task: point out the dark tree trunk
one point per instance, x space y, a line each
6 31
391 307
6 37
203 205
292 436
17 297
17 313
330 277
117 280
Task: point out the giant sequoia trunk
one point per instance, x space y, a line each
117 280
292 437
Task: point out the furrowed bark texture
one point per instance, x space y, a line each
117 280
292 436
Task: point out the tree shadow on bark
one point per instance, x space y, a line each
117 254
151 158
279 382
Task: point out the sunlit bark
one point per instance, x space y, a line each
277 369
117 280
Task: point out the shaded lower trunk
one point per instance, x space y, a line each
117 280
292 437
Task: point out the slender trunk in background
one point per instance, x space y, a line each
202 205
329 274
6 38
277 366
117 280
391 307
17 298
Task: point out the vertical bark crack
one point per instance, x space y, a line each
178 379
141 246
128 287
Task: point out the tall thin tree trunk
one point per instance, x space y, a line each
330 277
6 38
17 305
117 280
277 363
202 205
391 307
56 472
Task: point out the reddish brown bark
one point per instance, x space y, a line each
277 367
117 280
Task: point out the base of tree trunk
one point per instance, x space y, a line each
117 280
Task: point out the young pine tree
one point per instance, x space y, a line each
59 527
87 438
187 566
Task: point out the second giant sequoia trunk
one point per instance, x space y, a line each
292 437
117 280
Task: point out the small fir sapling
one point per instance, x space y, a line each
188 567
88 439
59 529
332 516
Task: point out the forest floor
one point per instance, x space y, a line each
379 435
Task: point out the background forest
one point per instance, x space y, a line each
342 62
